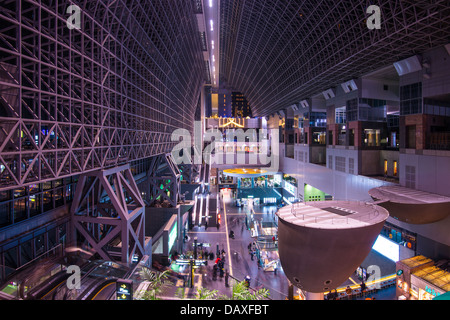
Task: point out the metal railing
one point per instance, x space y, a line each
337 220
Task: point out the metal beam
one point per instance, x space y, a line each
75 101
102 220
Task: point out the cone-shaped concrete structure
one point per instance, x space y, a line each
322 243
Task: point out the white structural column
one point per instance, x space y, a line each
108 212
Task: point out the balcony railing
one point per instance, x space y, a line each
439 141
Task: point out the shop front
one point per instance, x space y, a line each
429 283
419 279
268 259
165 240
266 244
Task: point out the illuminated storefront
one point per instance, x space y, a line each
419 279
253 186
430 282
165 240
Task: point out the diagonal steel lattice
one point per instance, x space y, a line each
104 220
78 100
280 52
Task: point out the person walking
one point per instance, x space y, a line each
215 267
221 265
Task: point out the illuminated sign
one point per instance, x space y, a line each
290 188
196 262
387 248
203 244
124 289
231 122
431 291
173 235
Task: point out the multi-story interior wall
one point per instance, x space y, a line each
424 147
352 169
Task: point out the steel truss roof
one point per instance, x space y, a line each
111 92
278 52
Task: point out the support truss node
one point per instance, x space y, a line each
190 172
163 181
108 212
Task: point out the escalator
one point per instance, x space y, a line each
104 291
105 288
97 282
58 283
45 289
40 278
48 280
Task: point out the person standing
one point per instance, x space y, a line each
221 265
349 292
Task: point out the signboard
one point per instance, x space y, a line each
202 244
196 262
124 289
362 273
290 188
173 235
387 248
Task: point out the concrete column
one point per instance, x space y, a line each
357 126
180 227
290 291
289 132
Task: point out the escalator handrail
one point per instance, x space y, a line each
91 290
44 288
128 275
94 289
105 284
86 274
